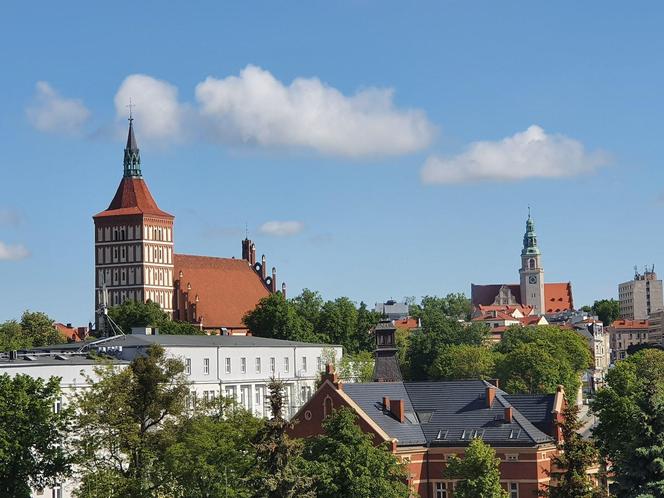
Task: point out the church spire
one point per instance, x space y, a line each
132 156
530 237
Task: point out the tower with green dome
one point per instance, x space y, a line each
531 271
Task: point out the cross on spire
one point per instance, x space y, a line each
131 108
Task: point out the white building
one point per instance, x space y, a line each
239 367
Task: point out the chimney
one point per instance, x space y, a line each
263 267
397 408
495 382
283 290
252 254
508 414
490 395
386 403
331 375
246 248
274 280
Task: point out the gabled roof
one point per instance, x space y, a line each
449 413
133 197
227 288
557 296
536 408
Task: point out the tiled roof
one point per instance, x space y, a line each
406 323
226 288
536 408
525 310
448 413
133 197
630 324
557 296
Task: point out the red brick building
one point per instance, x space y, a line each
135 259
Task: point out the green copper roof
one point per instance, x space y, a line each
530 238
132 156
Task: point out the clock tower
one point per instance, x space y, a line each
531 271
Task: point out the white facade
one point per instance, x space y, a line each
239 367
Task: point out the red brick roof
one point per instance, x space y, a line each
630 324
406 323
557 296
226 288
133 197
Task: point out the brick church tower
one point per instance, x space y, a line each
134 241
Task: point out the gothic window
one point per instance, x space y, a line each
531 263
327 406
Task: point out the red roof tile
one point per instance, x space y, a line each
227 288
406 323
133 197
630 324
557 296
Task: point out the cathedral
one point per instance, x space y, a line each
135 259
531 292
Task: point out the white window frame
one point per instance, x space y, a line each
258 365
441 489
286 364
513 489
228 365
206 366
187 365
243 365
273 364
304 363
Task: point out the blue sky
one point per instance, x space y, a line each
403 141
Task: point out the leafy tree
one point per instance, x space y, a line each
366 321
438 332
175 327
630 428
477 472
338 321
278 318
356 367
279 465
464 361
39 328
576 455
211 454
149 314
308 305
538 359
455 305
12 337
607 310
120 425
32 435
346 462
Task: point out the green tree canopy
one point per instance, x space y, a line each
464 361
32 435
278 318
149 314
120 425
455 305
630 428
346 462
538 359
607 310
35 329
576 456
477 472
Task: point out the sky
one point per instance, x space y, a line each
371 149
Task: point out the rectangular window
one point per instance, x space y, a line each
286 364
243 365
259 395
230 392
441 490
273 365
57 406
304 363
206 366
187 366
514 490
319 364
228 365
57 491
258 365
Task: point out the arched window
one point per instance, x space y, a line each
327 406
531 263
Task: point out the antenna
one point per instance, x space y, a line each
131 108
102 311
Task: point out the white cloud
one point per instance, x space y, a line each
12 252
281 228
156 106
51 113
256 108
529 154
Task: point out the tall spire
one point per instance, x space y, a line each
530 237
132 156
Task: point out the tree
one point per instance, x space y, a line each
463 361
279 465
366 322
438 332
308 305
338 321
630 428
277 317
120 425
607 310
39 327
356 367
576 455
32 435
12 337
538 359
210 454
477 472
149 314
346 462
455 305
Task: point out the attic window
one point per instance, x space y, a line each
514 434
441 435
30 357
61 357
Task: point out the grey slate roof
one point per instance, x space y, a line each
536 408
228 341
31 360
448 414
